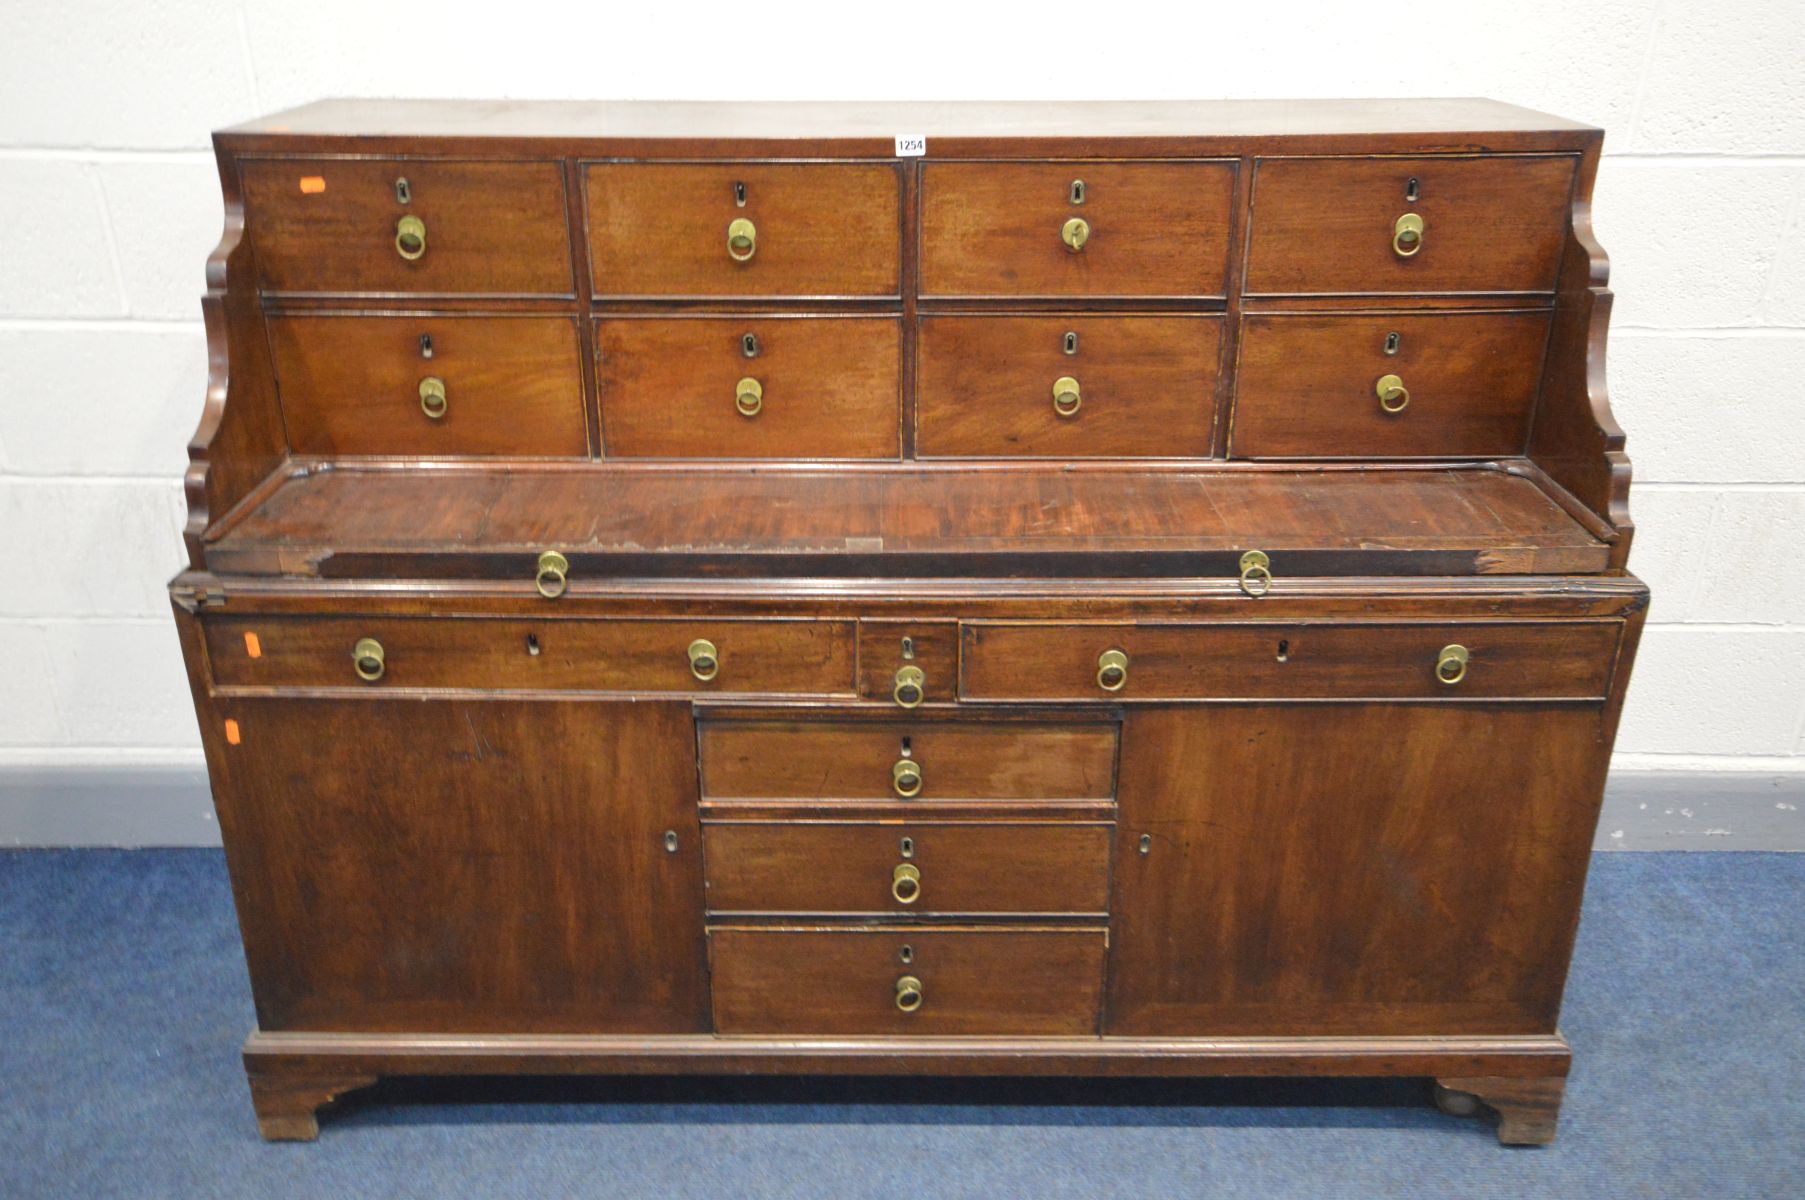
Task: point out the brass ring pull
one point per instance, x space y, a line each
1256 573
906 778
1075 233
367 660
704 661
742 239
1451 664
905 883
432 397
553 575
410 238
1407 235
1066 396
1112 670
908 993
910 687
749 397
1394 397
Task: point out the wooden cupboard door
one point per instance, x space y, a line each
1350 870
458 866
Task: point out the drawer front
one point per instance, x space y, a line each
960 760
817 230
491 385
812 387
1553 660
1151 229
1317 386
908 663
1327 225
331 226
906 869
758 657
856 981
1067 387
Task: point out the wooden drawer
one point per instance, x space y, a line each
819 230
361 385
1146 386
787 657
1154 228
329 225
907 868
932 650
827 387
1307 384
846 981
1553 660
856 760
1490 224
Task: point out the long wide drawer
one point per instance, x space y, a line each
910 868
1552 660
761 657
1067 386
430 385
926 760
907 980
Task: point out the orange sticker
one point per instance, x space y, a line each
231 732
252 646
312 184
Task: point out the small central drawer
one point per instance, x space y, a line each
430 385
758 657
754 229
1347 226
750 387
1067 386
1015 981
908 868
1387 385
926 761
394 226
1565 660
1153 229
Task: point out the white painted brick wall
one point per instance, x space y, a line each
109 205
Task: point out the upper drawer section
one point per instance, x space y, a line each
1345 226
750 387
430 385
1133 229
336 226
755 230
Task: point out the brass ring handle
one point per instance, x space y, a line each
908 993
410 237
742 239
1066 396
367 660
704 660
433 401
749 397
553 575
1256 573
905 883
906 778
1075 233
911 687
1407 235
1451 664
1112 670
1394 397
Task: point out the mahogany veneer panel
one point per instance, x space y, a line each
1458 520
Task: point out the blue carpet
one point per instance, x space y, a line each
123 1001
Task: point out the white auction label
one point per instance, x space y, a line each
912 145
